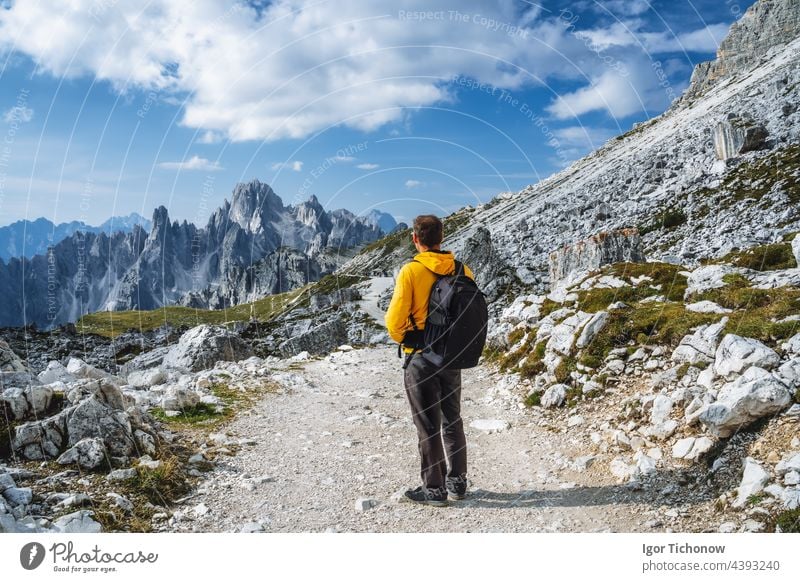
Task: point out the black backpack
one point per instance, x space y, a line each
456 325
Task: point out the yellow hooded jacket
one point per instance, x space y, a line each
413 288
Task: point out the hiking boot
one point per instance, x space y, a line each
457 487
435 497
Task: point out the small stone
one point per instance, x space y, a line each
489 425
78 522
200 510
120 501
252 527
18 495
791 478
727 527
121 475
754 478
365 504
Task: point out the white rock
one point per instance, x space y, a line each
489 425
743 401
662 408
683 447
121 475
55 372
179 399
708 277
706 378
345 348
663 430
88 453
147 378
78 522
645 465
700 346
735 354
787 465
789 373
792 345
621 469
200 510
754 478
591 329
120 501
554 396
796 249
791 478
562 336
575 420
707 307
727 527
615 367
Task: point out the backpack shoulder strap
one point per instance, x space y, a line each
458 271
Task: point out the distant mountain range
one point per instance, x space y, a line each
26 238
252 246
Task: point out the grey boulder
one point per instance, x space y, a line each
88 453
202 346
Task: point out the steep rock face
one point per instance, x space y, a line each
766 24
252 246
737 135
602 249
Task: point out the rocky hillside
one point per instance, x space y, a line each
719 171
251 247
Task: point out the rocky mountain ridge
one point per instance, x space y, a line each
252 246
32 237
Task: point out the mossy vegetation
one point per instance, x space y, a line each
771 257
113 323
455 222
755 179
666 279
207 415
390 243
788 521
667 219
757 312
649 323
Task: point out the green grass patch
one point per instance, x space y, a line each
164 484
666 280
206 415
771 257
390 243
533 399
516 335
656 324
548 306
112 323
754 180
756 310
788 521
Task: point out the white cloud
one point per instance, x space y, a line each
703 40
19 114
413 184
292 68
343 159
295 166
209 137
368 166
193 163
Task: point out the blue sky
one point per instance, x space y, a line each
111 107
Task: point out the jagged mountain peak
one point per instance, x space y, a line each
253 204
764 27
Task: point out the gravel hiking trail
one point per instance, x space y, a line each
332 451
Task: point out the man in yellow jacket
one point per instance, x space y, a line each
433 393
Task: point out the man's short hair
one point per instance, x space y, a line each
428 229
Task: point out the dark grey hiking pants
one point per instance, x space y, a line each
435 398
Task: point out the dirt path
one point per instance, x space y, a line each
344 433
369 302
